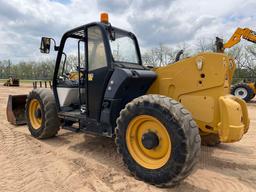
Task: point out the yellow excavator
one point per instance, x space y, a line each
244 33
157 117
246 91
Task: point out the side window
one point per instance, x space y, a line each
96 49
73 54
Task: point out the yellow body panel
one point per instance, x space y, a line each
234 120
199 83
193 101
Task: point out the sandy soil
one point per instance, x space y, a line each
79 162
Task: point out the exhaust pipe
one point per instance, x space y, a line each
15 111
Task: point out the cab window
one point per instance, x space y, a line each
73 54
96 50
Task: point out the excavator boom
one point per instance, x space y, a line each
245 33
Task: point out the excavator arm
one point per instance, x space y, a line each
245 33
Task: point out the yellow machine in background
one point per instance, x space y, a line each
202 83
253 87
245 33
245 91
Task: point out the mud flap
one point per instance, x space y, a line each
15 110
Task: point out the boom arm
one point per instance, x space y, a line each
245 33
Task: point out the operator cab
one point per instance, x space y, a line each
87 58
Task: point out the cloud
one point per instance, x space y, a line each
167 21
9 12
169 29
113 6
154 4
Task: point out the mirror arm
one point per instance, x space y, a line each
56 48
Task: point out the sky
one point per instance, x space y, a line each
169 22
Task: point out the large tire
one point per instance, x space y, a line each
253 95
41 114
210 139
243 91
182 132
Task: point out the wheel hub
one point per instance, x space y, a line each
240 92
144 143
35 114
150 140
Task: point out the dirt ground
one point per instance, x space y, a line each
79 162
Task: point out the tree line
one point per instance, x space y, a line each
30 70
162 55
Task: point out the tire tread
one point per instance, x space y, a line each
188 132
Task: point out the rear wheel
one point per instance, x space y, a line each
253 96
41 114
210 139
243 91
158 139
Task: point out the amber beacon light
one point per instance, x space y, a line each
104 17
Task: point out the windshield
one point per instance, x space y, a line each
123 48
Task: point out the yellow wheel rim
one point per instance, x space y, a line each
156 157
34 117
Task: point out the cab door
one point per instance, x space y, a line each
98 70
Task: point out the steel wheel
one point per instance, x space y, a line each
241 92
35 114
148 142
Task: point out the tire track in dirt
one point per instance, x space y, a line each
111 175
119 182
27 164
100 155
8 164
209 180
223 173
32 165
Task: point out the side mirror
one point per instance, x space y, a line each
45 45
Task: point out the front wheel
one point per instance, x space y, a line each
158 139
41 114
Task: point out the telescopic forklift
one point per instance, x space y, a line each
245 91
158 117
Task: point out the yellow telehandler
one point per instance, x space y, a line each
157 117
